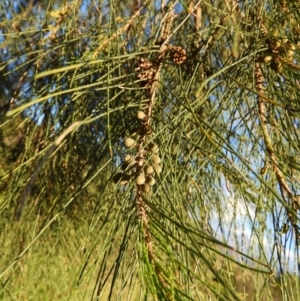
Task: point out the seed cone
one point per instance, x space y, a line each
146 188
129 142
127 158
267 59
140 180
150 180
157 168
149 169
155 159
152 147
141 115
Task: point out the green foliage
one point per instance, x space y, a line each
202 100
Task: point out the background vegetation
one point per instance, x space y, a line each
149 150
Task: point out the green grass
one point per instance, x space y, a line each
47 270
51 267
63 263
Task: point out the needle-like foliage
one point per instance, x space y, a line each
149 150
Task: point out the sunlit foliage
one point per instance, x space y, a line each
149 150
